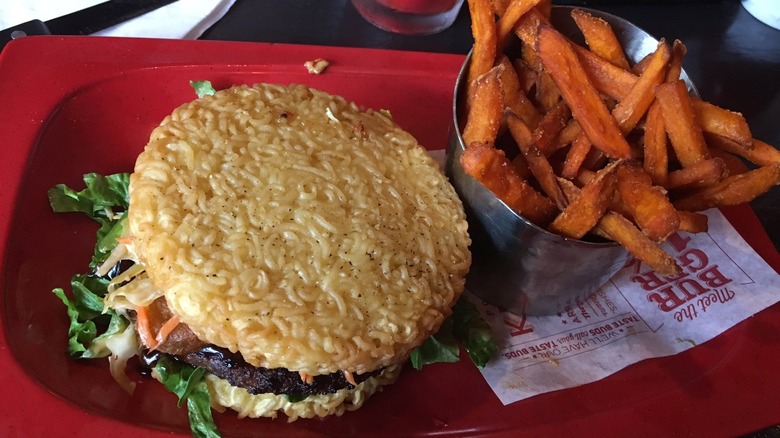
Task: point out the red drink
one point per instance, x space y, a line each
421 7
416 17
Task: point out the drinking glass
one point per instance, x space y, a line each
412 17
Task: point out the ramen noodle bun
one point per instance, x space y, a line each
297 229
269 405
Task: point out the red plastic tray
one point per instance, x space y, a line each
73 105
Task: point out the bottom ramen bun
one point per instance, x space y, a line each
295 237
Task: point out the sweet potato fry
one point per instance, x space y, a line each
537 162
545 8
567 135
656 159
607 78
621 230
680 123
647 204
509 18
569 189
711 118
733 190
493 170
514 98
586 105
702 174
762 154
525 74
734 164
628 111
521 165
614 226
486 108
582 213
528 26
722 122
692 222
483 29
616 82
641 65
633 106
675 64
522 135
531 59
584 176
576 155
499 6
600 38
547 94
550 126
572 192
520 131
595 159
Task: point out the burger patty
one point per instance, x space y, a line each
185 346
258 380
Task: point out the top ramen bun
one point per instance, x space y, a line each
291 243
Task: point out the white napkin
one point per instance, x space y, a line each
636 315
766 11
182 19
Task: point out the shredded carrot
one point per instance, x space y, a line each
350 378
125 240
144 327
166 330
306 377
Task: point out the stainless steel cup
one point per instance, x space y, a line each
517 265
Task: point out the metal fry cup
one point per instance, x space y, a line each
518 266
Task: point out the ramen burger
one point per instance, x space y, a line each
294 245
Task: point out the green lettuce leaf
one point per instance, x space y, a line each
465 327
105 199
203 88
85 311
88 293
102 199
188 384
295 398
81 332
107 234
440 347
98 347
101 193
473 332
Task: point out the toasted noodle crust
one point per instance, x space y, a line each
290 225
223 394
